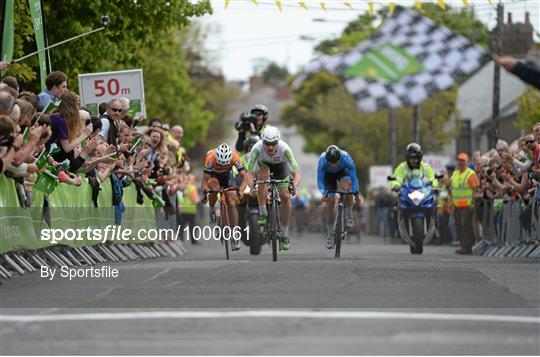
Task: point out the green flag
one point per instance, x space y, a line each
46 182
42 159
37 19
388 62
26 135
49 107
134 143
7 31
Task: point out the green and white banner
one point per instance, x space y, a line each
7 31
388 62
36 12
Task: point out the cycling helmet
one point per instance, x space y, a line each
223 154
271 135
414 151
333 154
259 108
249 142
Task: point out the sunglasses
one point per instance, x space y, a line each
530 141
116 110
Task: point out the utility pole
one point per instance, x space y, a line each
416 124
497 49
392 132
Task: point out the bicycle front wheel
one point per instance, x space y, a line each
272 229
338 231
224 223
227 249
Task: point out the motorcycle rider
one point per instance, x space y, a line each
413 161
242 205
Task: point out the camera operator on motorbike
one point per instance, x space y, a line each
250 123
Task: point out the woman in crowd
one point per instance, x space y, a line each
67 127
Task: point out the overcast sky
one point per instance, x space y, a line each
244 32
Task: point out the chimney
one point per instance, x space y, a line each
509 18
527 18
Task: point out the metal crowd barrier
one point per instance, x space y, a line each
509 228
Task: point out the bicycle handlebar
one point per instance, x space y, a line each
271 181
341 193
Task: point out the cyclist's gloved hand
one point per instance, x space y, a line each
292 189
205 197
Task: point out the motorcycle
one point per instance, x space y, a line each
248 214
416 211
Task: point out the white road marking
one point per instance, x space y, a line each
283 314
164 271
105 293
174 283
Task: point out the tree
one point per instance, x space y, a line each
529 110
356 31
133 25
275 74
141 34
207 78
170 93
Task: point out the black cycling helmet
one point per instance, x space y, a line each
260 109
249 142
333 154
414 151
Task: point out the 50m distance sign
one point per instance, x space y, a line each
97 88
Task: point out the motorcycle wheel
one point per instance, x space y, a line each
254 236
418 236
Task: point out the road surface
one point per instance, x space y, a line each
377 299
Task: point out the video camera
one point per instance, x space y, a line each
246 118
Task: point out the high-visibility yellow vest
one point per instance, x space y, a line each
462 192
187 205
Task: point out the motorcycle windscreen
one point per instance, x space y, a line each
416 183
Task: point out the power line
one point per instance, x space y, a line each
289 36
270 43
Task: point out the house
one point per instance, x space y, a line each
475 96
475 106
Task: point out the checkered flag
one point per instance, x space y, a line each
408 60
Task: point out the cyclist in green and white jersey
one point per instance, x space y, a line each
271 156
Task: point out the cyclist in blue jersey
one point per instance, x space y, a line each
336 166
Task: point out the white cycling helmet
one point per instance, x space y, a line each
271 135
223 154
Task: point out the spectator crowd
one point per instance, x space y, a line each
50 134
